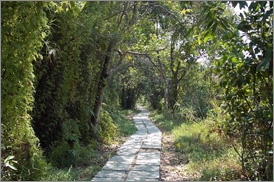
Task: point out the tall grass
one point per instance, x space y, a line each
207 153
123 123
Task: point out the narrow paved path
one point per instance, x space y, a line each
138 159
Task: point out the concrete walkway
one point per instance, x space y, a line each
138 159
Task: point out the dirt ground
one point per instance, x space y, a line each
173 165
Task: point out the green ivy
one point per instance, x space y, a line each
23 25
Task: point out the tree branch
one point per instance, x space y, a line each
137 53
118 64
158 50
181 78
168 12
115 14
149 58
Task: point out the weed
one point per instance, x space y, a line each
167 123
209 152
125 126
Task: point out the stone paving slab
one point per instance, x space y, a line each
117 166
131 159
141 128
153 131
146 167
148 157
129 147
135 139
142 132
150 161
137 119
132 144
143 175
138 137
153 141
149 154
151 144
127 152
156 136
143 179
111 174
151 147
106 179
127 159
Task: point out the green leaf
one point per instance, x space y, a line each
234 3
212 37
199 40
223 24
207 36
270 133
209 24
253 6
242 4
267 15
129 57
214 27
183 11
188 32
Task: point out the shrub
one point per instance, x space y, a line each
70 131
63 156
106 129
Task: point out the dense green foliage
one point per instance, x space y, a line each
245 70
68 68
23 25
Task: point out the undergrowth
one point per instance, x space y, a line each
82 163
123 123
205 150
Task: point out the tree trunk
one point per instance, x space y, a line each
168 98
134 14
166 92
173 93
102 83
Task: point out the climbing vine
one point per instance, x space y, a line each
23 25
